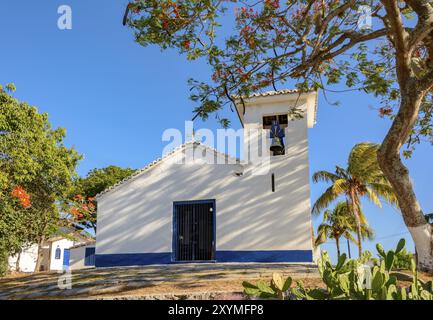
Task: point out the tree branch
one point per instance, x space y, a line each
400 40
424 10
355 38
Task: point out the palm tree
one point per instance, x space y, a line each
362 178
339 222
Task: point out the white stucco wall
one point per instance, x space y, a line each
57 264
28 259
77 257
136 217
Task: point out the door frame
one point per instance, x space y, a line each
174 230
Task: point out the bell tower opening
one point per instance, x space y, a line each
265 119
276 125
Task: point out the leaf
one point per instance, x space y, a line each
391 281
389 261
252 292
341 261
380 250
377 282
263 287
247 284
400 245
287 284
316 294
278 281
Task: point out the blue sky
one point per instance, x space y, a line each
115 98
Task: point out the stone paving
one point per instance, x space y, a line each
115 283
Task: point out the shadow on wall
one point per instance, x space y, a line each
136 217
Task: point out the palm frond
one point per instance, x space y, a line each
373 197
324 200
324 176
340 186
341 172
349 236
362 162
385 191
323 231
327 215
367 232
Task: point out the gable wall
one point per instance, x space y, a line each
137 216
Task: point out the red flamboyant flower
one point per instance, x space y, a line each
272 3
22 196
186 44
384 112
176 9
165 24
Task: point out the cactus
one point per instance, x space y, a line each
276 290
349 279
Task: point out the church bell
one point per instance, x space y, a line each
277 134
276 146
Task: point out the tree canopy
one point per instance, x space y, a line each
36 173
362 178
82 204
340 222
315 44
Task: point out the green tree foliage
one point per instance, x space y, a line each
362 178
317 43
340 222
34 162
82 205
97 180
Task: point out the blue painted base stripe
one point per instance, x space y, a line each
265 256
132 259
139 259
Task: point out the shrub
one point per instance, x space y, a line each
3 263
350 280
403 260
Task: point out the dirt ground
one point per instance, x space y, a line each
204 281
158 282
222 290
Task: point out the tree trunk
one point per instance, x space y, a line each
337 243
17 263
40 255
357 219
398 175
348 249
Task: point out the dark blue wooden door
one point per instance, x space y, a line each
66 255
194 230
89 259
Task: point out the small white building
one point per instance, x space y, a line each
82 256
27 259
227 212
55 253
